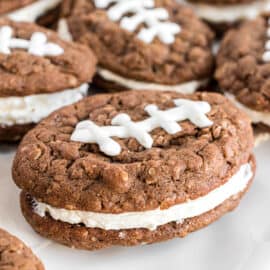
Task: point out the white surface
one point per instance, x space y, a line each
239 241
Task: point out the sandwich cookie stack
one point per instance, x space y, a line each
150 45
39 74
243 71
133 168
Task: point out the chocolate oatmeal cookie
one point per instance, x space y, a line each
14 255
161 45
135 167
39 74
243 68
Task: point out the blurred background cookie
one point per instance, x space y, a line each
15 255
151 45
243 71
39 74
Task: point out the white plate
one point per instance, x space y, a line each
238 241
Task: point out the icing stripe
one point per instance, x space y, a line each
37 45
123 127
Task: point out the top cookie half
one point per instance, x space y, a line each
30 66
205 151
142 44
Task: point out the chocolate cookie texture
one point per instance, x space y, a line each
135 167
14 255
28 10
39 74
243 69
224 13
160 46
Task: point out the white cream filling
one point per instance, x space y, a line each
184 88
229 13
154 218
255 116
32 109
32 12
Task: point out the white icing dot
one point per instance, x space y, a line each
143 12
37 45
123 127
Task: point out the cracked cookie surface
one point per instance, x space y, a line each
188 58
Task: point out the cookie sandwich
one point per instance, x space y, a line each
222 14
243 70
151 45
29 10
39 74
132 168
15 255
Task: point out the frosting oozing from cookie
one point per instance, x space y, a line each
38 44
124 127
144 12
